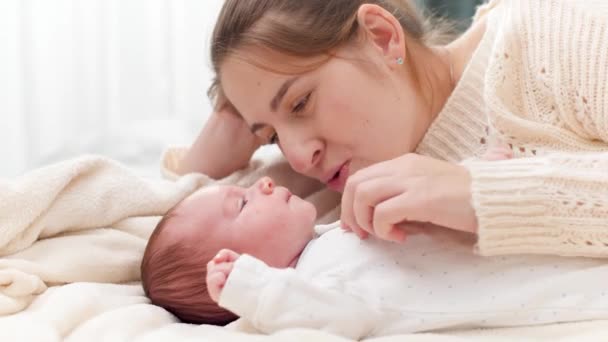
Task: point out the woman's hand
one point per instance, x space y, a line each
218 271
385 198
224 145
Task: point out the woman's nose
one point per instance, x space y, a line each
266 185
303 157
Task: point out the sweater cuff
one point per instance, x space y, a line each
244 285
510 200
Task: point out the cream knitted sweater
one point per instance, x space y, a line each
539 81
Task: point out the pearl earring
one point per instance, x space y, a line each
400 60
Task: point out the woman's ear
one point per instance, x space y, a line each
384 32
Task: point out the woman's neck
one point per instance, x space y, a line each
461 50
462 117
444 65
435 76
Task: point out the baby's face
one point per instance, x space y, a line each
263 221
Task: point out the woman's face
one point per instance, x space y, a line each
357 109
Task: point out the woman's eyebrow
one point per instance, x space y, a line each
274 104
276 101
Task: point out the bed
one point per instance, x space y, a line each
71 239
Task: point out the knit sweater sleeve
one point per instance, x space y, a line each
555 202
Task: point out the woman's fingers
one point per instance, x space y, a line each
409 189
396 234
357 186
390 213
360 201
360 232
368 195
378 198
347 216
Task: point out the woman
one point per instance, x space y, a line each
359 97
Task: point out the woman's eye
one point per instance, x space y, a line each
243 203
301 105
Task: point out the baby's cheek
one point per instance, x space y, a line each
262 227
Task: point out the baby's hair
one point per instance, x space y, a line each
174 276
308 28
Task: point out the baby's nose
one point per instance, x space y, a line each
266 185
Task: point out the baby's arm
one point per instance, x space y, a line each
273 299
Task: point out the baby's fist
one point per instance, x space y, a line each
218 271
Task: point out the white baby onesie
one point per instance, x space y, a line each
434 281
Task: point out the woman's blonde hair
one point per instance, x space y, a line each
305 28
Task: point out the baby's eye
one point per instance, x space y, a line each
243 203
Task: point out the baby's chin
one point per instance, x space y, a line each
286 258
294 260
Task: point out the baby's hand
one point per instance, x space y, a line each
218 271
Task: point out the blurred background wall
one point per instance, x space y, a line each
460 11
123 78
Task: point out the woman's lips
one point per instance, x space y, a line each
338 182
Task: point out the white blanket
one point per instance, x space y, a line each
71 240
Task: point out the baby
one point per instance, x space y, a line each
257 253
261 220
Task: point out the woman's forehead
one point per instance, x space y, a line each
249 88
276 62
256 90
267 66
